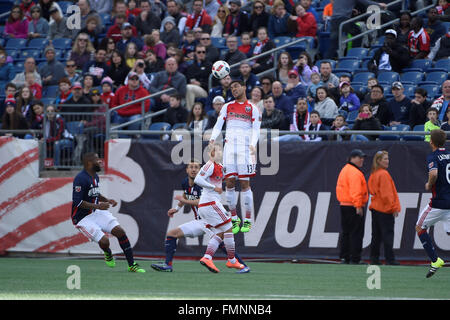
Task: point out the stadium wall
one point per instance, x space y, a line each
296 210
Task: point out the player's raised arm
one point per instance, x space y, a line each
205 172
219 124
256 126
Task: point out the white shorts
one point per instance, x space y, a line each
238 162
194 228
215 217
96 224
430 216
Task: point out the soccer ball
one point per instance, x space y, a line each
220 69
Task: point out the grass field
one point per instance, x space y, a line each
26 278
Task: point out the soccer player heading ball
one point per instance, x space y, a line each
243 122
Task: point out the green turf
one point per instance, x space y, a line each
22 278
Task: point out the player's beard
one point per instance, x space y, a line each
97 168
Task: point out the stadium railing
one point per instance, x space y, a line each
83 132
343 42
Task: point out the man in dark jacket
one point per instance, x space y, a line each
380 108
197 75
272 118
237 21
176 113
233 55
392 56
147 20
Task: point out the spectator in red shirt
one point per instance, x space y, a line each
418 40
115 31
199 18
127 93
306 23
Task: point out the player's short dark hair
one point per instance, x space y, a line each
438 137
88 156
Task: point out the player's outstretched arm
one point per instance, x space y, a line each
110 201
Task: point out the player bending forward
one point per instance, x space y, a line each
90 213
241 136
438 209
194 228
213 213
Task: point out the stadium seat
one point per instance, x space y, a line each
443 64
48 101
363 77
157 126
412 77
37 43
279 41
62 43
357 53
438 77
347 66
64 5
390 136
359 86
419 127
179 125
12 52
432 90
421 65
388 76
27 53
409 90
15 43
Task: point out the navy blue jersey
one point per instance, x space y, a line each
440 160
85 188
192 193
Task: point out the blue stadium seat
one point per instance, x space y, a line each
357 52
443 64
388 76
438 77
359 87
419 127
62 43
378 42
432 89
279 41
412 77
64 5
106 18
390 136
12 52
421 65
27 53
179 125
347 66
363 77
409 90
15 43
37 43
157 126
48 101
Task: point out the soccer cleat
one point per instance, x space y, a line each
209 265
236 265
244 270
236 222
435 266
246 226
162 267
109 260
136 268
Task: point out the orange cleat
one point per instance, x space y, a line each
235 265
209 265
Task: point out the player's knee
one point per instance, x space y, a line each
104 242
175 233
118 232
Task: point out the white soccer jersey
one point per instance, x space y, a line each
243 123
209 177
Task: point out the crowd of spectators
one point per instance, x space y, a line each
126 50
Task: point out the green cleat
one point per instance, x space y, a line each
435 266
236 222
109 260
136 268
246 226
